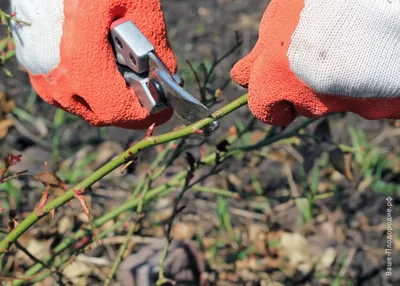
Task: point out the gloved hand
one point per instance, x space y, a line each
314 57
70 59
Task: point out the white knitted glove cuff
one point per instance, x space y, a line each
38 45
349 47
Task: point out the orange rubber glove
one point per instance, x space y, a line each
77 72
315 57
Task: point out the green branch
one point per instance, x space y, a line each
114 164
140 214
134 202
155 193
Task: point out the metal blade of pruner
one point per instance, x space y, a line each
152 82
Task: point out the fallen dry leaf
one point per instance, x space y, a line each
7 104
342 162
327 259
162 210
233 131
182 231
51 180
294 247
347 166
5 124
78 272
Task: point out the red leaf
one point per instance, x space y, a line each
12 160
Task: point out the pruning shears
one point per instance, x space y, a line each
152 82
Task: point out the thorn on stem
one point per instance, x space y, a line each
150 130
198 131
79 194
42 202
13 223
126 166
129 161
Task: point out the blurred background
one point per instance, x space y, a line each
305 205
